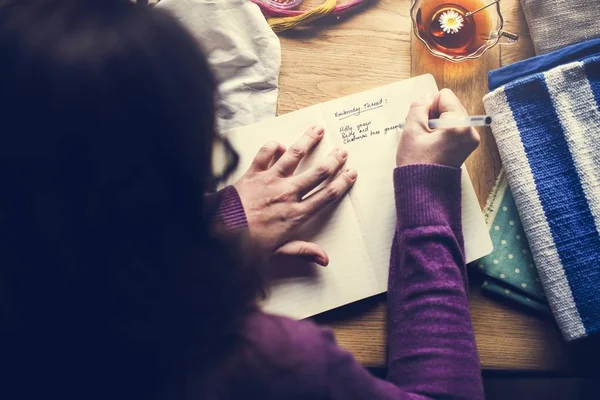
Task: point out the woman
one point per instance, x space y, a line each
120 279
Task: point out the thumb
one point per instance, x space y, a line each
306 250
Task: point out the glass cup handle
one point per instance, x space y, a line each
507 37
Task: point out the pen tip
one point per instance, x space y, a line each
488 120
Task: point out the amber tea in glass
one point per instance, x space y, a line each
450 32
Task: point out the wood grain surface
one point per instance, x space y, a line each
374 47
338 57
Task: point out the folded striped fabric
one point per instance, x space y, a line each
547 127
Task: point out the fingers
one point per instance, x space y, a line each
449 106
330 193
289 161
469 137
311 178
280 151
444 103
306 250
418 115
447 102
265 156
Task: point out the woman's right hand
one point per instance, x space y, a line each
421 145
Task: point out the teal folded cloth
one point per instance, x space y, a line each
510 267
502 290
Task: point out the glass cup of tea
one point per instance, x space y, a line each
459 30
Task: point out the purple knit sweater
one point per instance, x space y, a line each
431 348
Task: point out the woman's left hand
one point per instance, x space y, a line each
274 198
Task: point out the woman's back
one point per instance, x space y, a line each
108 267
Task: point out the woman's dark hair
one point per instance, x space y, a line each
111 282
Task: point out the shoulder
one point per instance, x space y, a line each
304 362
285 359
291 357
294 342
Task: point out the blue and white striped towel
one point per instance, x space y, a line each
547 126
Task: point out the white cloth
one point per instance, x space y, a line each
243 51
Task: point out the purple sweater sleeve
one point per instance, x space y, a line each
229 209
432 353
432 349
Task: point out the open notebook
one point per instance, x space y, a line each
357 232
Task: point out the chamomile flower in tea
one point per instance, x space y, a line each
451 21
455 29
450 30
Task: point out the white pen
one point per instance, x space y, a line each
463 122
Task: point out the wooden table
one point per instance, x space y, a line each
373 47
